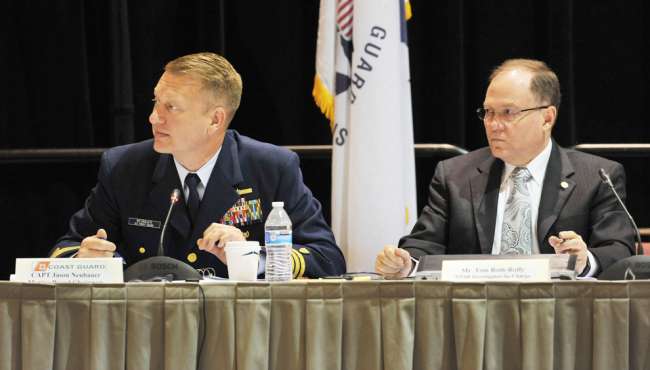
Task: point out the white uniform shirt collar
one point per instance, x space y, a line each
204 173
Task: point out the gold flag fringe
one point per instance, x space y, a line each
324 100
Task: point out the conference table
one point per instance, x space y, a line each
322 324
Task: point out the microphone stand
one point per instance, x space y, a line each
161 267
637 266
605 177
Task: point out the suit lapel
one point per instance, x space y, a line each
220 193
484 188
165 180
556 190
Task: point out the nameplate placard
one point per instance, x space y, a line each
68 270
499 270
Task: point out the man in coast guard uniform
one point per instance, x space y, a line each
227 182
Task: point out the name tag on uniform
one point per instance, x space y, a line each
141 222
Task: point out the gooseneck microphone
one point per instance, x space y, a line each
161 267
605 177
173 199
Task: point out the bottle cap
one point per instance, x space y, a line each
277 204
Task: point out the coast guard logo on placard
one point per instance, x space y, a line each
42 266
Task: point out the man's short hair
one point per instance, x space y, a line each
216 74
544 84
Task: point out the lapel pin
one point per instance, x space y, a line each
564 184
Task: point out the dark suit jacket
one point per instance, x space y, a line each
135 182
459 217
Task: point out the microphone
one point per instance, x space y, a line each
636 267
605 177
173 199
161 267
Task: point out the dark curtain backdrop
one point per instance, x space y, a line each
80 74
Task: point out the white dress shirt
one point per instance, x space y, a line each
204 174
537 168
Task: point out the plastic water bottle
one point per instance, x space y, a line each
277 239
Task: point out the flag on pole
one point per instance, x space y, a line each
362 85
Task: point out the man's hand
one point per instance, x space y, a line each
215 238
568 242
96 246
393 262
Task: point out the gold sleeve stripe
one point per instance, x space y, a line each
60 251
300 263
294 264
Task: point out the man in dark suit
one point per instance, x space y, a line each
524 194
228 182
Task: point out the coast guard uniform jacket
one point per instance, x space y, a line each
132 197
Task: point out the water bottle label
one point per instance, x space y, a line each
275 237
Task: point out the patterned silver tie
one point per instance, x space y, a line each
516 232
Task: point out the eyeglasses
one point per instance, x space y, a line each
506 115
